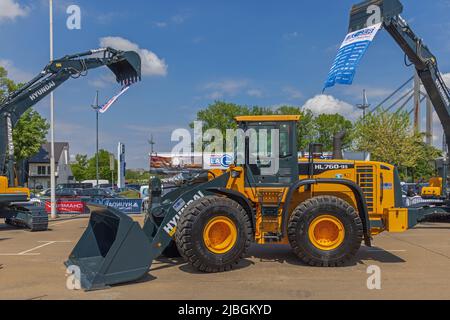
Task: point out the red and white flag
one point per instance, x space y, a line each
106 106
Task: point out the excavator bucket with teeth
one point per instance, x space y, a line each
127 68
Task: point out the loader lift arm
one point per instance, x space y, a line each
414 48
125 65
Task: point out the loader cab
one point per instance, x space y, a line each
270 149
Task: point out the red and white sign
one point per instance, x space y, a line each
66 207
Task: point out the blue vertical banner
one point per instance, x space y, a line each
350 54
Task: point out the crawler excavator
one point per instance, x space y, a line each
127 68
324 209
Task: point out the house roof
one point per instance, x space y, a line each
43 156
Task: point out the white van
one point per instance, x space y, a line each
94 182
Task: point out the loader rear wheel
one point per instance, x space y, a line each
213 234
325 231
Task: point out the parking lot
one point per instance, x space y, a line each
414 265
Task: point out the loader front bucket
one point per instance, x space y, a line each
112 250
127 68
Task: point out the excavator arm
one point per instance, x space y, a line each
388 12
125 65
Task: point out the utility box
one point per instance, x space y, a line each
396 219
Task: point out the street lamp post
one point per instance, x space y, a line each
151 142
96 108
364 106
53 213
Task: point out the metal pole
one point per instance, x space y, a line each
96 149
364 106
416 101
52 129
429 135
152 143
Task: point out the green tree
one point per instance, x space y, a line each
6 84
29 134
84 168
104 169
133 176
221 115
389 138
305 127
79 167
326 126
425 167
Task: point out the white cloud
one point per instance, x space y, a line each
224 88
446 77
326 104
437 126
291 35
377 93
161 24
152 65
180 18
103 81
15 73
255 93
231 88
293 93
10 10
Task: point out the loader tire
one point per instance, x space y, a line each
213 234
325 231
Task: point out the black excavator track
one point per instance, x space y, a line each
32 218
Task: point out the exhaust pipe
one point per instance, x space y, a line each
338 140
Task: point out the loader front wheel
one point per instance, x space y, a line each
213 234
325 231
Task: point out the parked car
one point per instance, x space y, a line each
74 186
94 182
68 193
103 185
44 194
98 193
34 200
135 187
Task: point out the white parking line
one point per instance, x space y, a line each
381 250
62 222
28 252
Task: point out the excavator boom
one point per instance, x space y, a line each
388 12
126 65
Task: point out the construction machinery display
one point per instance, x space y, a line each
127 68
425 63
323 208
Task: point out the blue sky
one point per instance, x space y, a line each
251 52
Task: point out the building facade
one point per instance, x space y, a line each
39 166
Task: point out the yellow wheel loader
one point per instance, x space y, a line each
323 209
